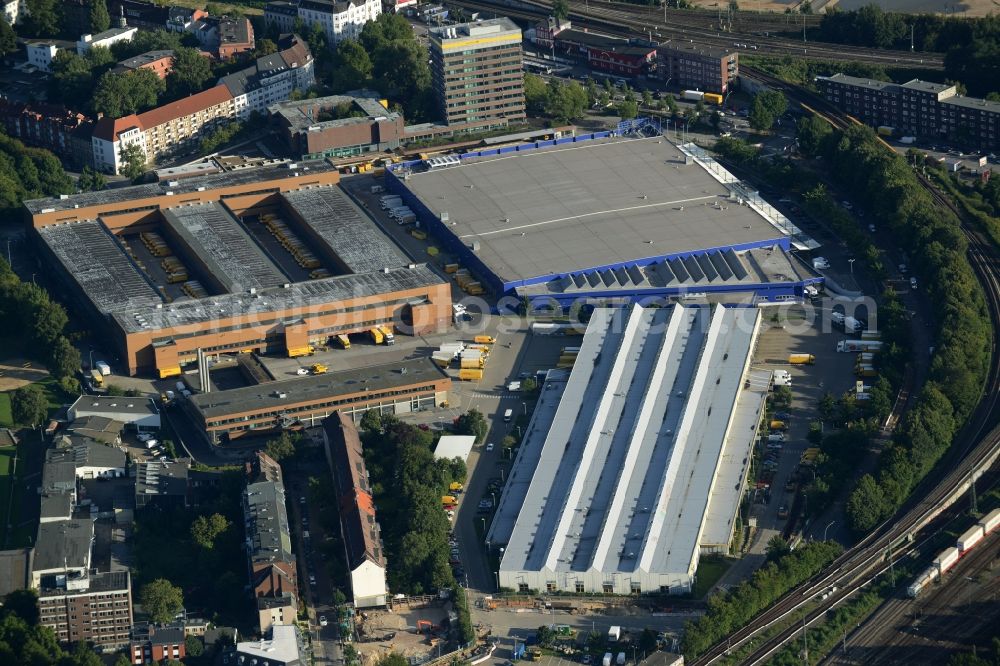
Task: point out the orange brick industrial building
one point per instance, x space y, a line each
271 260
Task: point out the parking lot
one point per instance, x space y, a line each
832 372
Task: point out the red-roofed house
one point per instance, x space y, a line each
162 130
358 524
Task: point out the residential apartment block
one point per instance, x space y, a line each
174 127
359 529
74 600
340 19
159 62
272 78
154 645
931 111
697 66
56 128
271 563
477 72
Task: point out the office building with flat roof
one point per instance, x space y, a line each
168 268
394 388
634 462
690 65
922 109
477 72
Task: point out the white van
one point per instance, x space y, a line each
507 415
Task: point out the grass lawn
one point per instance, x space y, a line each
6 418
710 570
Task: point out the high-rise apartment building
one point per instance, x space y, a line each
478 73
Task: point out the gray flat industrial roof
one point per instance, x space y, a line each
315 387
63 544
300 295
351 234
97 262
267 522
87 405
217 239
228 179
584 205
623 479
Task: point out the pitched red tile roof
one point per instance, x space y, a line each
185 107
109 128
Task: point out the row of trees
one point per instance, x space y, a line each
388 57
932 239
116 94
408 483
971 45
728 611
28 173
40 324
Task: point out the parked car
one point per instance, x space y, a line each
489 446
322 621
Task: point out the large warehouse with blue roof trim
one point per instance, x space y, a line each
624 215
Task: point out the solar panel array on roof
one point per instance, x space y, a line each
350 235
222 245
99 264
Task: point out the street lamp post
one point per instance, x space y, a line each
851 262
826 528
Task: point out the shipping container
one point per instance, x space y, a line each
343 341
990 521
485 339
470 375
922 581
969 538
442 360
946 560
472 364
294 352
871 335
907 140
451 268
171 371
713 98
885 130
801 359
692 95
387 334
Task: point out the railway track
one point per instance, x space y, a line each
976 450
944 619
632 21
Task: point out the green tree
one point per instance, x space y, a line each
44 18
545 636
190 71
536 94
473 423
8 38
72 77
24 604
28 405
647 641
866 506
767 107
194 646
265 47
281 448
812 132
647 99
566 101
393 659
114 390
161 600
806 7
508 442
122 94
64 358
777 548
100 20
628 110
560 9
205 530
91 180
529 385
352 66
133 161
122 660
